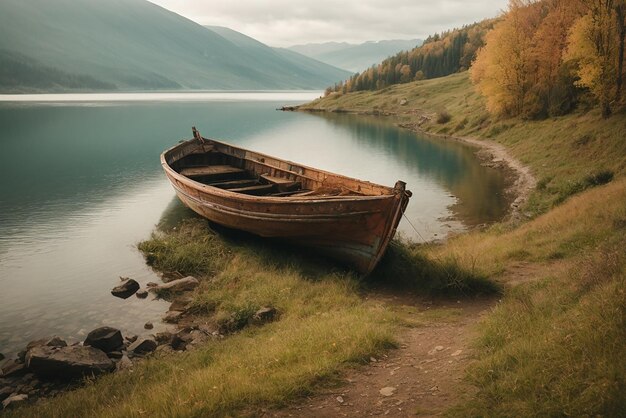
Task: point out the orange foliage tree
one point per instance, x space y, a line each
520 70
596 45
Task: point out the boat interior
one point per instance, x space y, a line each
252 176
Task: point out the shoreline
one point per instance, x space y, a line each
489 152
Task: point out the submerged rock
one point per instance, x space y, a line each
68 362
106 339
13 401
126 289
179 285
143 345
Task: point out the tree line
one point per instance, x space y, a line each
545 55
541 58
440 55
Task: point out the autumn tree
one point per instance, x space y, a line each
596 45
503 69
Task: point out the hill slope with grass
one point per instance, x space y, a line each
132 44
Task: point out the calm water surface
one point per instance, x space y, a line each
81 184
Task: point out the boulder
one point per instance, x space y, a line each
1 356
13 401
143 345
68 362
142 294
126 289
148 325
178 285
115 355
106 339
13 368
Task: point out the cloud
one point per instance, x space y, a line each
289 22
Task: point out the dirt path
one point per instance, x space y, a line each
424 377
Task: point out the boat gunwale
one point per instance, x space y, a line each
273 199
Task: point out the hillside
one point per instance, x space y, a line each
302 68
440 55
355 57
132 44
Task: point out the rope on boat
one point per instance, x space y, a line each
437 259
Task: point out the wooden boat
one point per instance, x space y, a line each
348 219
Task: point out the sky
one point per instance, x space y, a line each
291 22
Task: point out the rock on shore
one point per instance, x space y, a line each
68 362
106 339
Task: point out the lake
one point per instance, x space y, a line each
81 185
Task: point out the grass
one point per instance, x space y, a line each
325 324
557 345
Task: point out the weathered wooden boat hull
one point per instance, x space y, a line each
352 229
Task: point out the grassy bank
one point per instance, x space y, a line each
325 324
556 343
566 154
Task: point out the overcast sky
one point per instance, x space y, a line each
289 22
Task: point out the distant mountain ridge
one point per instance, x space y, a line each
57 45
355 57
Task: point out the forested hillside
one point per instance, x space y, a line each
440 55
540 58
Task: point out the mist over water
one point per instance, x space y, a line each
81 185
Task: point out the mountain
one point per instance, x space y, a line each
134 45
302 66
355 57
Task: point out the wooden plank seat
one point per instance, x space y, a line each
234 184
261 189
211 171
276 180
